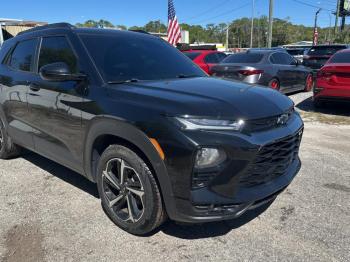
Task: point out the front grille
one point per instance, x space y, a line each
267 123
272 161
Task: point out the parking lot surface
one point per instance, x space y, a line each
49 213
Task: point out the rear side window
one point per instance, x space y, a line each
57 49
341 58
211 59
325 50
192 55
244 58
22 57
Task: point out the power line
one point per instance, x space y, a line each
224 13
310 5
209 10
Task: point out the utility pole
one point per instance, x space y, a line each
336 19
329 29
315 28
252 26
227 32
269 37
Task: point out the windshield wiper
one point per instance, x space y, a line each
132 80
186 76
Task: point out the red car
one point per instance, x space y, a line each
205 59
333 80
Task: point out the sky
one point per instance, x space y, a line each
139 12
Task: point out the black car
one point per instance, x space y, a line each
317 56
133 114
268 67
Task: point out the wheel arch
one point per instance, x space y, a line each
105 130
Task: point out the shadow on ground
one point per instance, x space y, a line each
212 229
336 113
330 108
62 173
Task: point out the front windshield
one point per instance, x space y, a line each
125 56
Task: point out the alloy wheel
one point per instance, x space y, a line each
274 84
123 190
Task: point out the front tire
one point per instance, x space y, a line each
129 192
7 148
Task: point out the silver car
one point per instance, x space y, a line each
271 68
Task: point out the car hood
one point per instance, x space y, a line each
206 96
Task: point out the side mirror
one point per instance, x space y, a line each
59 72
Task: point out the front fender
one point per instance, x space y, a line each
108 125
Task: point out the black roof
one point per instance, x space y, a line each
90 30
49 26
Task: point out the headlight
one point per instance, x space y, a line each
209 124
209 157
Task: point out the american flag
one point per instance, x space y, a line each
174 32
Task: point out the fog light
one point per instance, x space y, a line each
209 157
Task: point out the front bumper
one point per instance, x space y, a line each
226 196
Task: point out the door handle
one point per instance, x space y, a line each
34 87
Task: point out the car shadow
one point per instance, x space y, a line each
212 229
62 173
329 108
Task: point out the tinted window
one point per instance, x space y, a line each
22 57
126 55
295 51
192 55
281 59
221 56
341 58
244 58
325 50
57 49
211 59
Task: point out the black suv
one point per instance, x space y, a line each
133 114
317 56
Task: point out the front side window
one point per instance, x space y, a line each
282 59
22 57
122 56
57 49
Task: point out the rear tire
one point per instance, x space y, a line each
7 148
129 191
274 83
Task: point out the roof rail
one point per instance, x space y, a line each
49 26
139 31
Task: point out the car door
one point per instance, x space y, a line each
285 71
17 70
54 106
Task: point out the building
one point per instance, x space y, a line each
185 36
11 27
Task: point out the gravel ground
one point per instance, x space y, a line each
49 213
